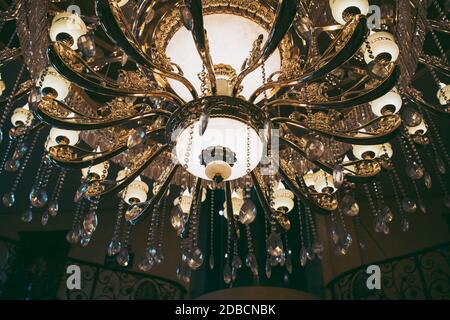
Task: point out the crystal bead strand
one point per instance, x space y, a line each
408 204
268 265
404 221
123 257
250 260
441 183
317 245
162 223
413 148
384 215
302 254
420 202
436 134
347 237
73 236
211 235
413 169
288 253
114 245
5 156
371 204
53 206
90 223
308 238
236 262
227 276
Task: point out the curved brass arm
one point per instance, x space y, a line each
417 98
286 12
115 26
198 196
327 62
44 113
340 102
55 56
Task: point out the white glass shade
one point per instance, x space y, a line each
97 169
230 40
323 181
283 198
22 116
338 8
222 132
66 24
392 98
136 191
309 178
359 150
71 136
419 129
381 43
237 200
186 201
386 149
444 93
56 83
2 86
49 143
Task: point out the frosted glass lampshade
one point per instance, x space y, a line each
136 191
363 152
22 116
444 95
391 102
2 85
340 7
97 169
323 182
237 201
55 84
419 129
283 199
49 143
381 43
309 178
185 201
62 136
68 27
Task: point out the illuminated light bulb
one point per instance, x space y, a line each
283 199
136 191
67 27
22 116
382 44
420 129
390 103
444 94
341 9
55 85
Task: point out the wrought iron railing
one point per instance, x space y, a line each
98 282
421 275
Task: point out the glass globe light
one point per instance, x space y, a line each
390 103
136 191
324 182
55 85
283 199
382 44
67 27
22 116
366 152
443 94
340 9
419 129
97 169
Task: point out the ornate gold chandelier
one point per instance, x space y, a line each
226 94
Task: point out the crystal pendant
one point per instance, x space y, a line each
422 206
310 255
186 274
34 98
317 247
447 201
90 222
247 214
38 198
1 136
44 218
405 225
145 264
8 199
386 214
314 148
408 205
236 262
186 18
303 256
12 165
339 249
281 260
252 263
288 264
20 151
27 216
81 191
338 175
334 233
86 45
227 274
204 120
349 205
362 244
268 268
273 260
211 262
73 236
386 229
134 212
347 241
53 208
123 258
85 240
414 171
427 180
114 247
177 219
440 165
233 274
136 137
194 258
274 244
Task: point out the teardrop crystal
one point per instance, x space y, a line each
338 175
27 216
73 235
268 268
211 262
440 165
274 244
422 206
145 264
177 219
409 205
90 222
204 120
236 262
247 214
123 258
427 180
44 218
85 240
314 148
12 165
186 18
194 258
53 208
349 205
252 263
8 199
303 256
414 170
114 247
38 198
136 137
227 274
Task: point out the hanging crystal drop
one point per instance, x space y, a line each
422 206
211 262
338 175
289 266
227 274
236 262
274 244
252 263
136 137
86 45
90 222
386 214
134 212
310 255
349 205
123 258
303 256
440 164
53 208
73 236
186 18
186 274
38 198
405 224
85 240
194 258
247 214
8 199
159 257
409 205
314 148
386 229
12 165
281 260
27 216
1 136
334 233
20 151
233 274
177 219
268 268
273 261
81 191
362 244
447 201
44 218
427 180
145 264
114 247
317 247
414 171
339 249
204 120
348 240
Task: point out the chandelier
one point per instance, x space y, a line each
299 103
